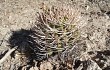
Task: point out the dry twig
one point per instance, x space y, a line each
7 54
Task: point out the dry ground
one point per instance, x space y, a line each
91 51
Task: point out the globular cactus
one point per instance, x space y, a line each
54 30
59 23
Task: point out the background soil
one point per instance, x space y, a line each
90 52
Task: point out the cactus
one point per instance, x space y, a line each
55 30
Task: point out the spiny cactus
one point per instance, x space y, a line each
54 30
59 24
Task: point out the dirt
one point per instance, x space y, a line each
89 51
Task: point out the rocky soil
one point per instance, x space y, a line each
89 51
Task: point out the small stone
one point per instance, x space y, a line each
34 68
46 66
